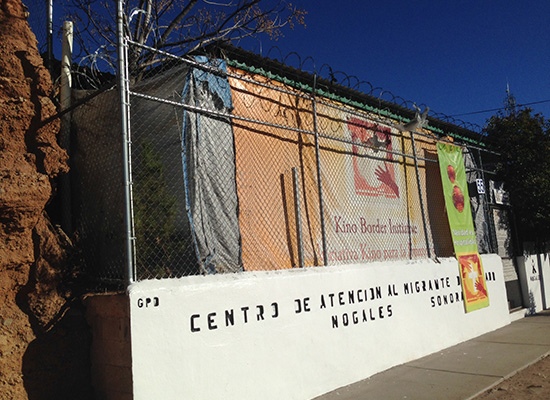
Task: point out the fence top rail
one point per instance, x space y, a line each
220 114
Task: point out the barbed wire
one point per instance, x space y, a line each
294 60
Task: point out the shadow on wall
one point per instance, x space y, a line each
532 310
56 365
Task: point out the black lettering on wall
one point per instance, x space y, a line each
229 317
260 314
211 323
275 307
245 314
193 327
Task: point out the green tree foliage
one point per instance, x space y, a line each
160 249
523 141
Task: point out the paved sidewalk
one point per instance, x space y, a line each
459 372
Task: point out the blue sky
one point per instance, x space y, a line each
455 57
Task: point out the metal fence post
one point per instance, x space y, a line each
49 36
319 183
297 211
126 143
420 196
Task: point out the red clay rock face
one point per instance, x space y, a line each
32 251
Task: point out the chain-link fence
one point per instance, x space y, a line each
207 165
97 184
231 169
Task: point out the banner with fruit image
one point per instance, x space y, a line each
457 202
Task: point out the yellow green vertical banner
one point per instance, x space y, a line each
457 203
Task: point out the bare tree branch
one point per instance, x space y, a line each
178 25
175 23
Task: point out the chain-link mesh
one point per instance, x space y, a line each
232 170
235 169
97 185
164 246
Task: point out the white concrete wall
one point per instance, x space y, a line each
296 334
545 279
534 272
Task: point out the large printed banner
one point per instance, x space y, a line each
370 211
457 202
371 208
